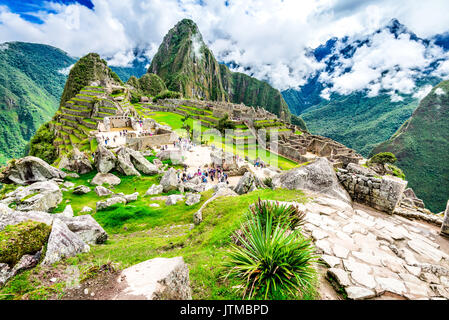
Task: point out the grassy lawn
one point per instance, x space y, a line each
138 233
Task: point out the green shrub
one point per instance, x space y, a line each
281 214
135 97
41 145
151 84
273 261
166 94
383 158
396 171
24 238
268 182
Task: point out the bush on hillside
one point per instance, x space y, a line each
383 158
167 94
41 145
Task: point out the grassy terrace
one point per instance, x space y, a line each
138 232
175 121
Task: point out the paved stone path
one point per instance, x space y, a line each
373 255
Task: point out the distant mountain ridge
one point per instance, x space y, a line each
356 119
421 146
32 78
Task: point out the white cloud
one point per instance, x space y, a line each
385 63
423 92
66 71
268 39
439 92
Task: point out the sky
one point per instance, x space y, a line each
271 38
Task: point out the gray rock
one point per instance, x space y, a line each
29 170
445 226
101 205
359 293
124 164
173 199
87 228
131 197
76 161
318 176
26 262
104 159
192 198
248 183
11 217
40 196
63 243
154 189
68 212
102 191
340 276
73 175
105 178
81 190
169 181
68 184
156 279
86 209
141 163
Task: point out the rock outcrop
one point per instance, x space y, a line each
169 181
382 193
40 196
29 170
104 159
102 191
154 189
87 228
77 162
124 164
105 178
82 189
318 176
63 243
192 198
156 279
248 183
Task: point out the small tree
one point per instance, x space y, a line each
224 123
383 158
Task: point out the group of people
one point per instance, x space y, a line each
183 144
214 174
123 133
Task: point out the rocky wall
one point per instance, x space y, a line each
364 186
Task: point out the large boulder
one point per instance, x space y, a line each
156 279
141 163
82 189
101 205
87 228
169 181
63 243
105 178
192 198
40 196
9 216
173 199
102 191
154 189
318 176
29 170
77 161
104 159
248 183
124 164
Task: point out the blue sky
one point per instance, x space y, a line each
28 9
271 38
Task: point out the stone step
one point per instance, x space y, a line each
82 102
73 112
92 93
89 124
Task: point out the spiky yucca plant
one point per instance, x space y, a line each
282 214
273 262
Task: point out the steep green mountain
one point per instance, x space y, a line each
149 84
186 65
32 78
421 146
358 121
82 106
89 68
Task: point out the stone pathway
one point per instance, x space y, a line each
373 255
